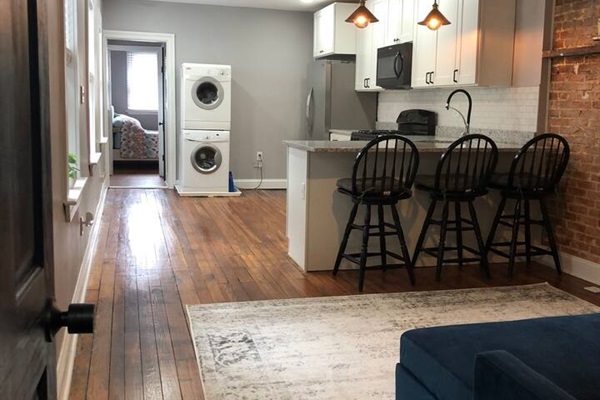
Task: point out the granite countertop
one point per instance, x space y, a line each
423 143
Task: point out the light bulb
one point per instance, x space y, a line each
361 22
433 24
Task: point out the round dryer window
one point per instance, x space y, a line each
206 158
207 93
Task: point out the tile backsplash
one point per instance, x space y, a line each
510 112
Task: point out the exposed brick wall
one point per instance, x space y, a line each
575 114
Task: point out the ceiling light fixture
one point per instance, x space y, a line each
361 17
435 18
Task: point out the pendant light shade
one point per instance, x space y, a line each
361 17
435 18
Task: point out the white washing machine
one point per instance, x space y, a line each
206 96
204 164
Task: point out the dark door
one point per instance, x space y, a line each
27 360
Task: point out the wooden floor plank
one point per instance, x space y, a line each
158 252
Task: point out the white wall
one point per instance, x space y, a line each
269 52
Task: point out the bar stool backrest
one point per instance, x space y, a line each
540 163
386 166
467 165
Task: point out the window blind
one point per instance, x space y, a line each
142 81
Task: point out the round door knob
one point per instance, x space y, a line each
79 318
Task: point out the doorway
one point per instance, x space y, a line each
140 76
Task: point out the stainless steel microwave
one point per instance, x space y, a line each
394 66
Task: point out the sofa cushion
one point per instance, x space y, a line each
564 350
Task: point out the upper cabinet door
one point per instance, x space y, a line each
332 35
448 42
424 50
400 24
466 60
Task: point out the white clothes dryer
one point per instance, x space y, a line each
204 164
206 96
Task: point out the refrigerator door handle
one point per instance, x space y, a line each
309 118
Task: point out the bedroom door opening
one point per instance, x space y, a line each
136 95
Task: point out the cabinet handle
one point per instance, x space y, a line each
368 79
431 77
365 83
427 78
454 76
321 51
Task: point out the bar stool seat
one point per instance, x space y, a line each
462 175
382 175
534 174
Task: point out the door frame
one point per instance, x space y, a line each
170 125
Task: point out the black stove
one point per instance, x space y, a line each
410 122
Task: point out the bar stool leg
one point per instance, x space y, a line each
382 246
442 244
424 229
365 245
495 224
482 251
344 243
405 254
515 238
457 215
550 233
527 221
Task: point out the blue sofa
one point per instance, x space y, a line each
556 358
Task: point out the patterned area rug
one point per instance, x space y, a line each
341 347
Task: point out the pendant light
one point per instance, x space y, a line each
361 17
435 18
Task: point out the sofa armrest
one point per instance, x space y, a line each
500 375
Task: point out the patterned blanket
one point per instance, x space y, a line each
133 141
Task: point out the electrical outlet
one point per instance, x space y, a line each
259 160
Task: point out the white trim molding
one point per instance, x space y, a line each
265 184
66 357
576 266
171 88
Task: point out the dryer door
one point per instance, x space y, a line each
207 93
206 158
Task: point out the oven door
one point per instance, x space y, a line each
394 66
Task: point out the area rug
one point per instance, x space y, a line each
341 347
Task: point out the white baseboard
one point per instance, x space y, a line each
66 357
576 266
266 183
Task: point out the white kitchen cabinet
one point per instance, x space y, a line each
475 49
369 39
332 35
400 22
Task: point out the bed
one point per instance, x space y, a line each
131 142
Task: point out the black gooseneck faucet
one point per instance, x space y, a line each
467 121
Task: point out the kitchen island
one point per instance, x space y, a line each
317 214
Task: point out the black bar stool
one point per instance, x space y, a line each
383 174
534 174
462 174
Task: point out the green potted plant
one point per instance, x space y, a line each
72 169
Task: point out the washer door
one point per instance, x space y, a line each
206 158
207 93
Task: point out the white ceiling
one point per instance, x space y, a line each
291 5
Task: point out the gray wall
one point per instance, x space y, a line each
118 84
269 52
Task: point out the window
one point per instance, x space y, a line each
142 81
72 81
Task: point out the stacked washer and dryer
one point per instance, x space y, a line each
205 129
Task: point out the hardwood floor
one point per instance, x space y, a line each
158 252
127 174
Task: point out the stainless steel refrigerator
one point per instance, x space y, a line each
332 102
